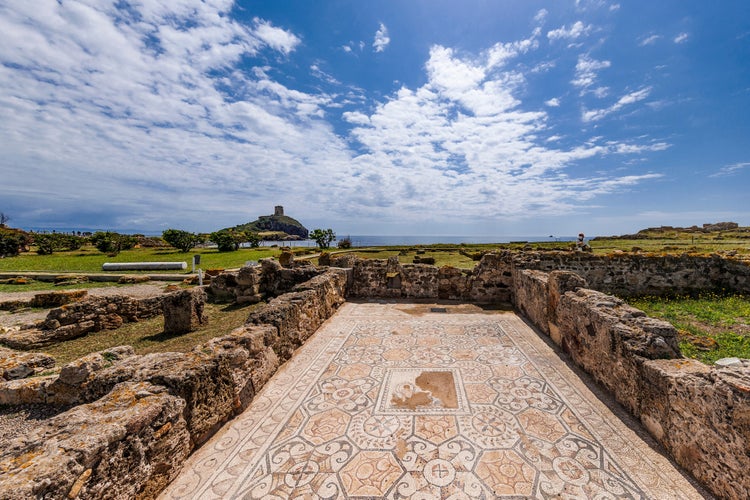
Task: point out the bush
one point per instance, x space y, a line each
55 242
181 240
345 242
227 241
112 243
13 241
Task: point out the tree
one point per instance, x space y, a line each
253 239
323 237
48 243
112 243
227 241
13 241
182 240
3 219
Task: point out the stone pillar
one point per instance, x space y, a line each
184 311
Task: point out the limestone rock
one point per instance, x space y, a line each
15 365
58 299
184 311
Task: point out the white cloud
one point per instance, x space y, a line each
681 38
541 16
627 99
586 71
276 38
553 103
150 117
649 40
381 39
463 138
733 169
577 30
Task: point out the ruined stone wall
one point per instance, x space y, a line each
251 284
490 282
136 418
628 275
700 413
80 318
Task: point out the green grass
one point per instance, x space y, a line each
711 326
42 286
148 335
90 260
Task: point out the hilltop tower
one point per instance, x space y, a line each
278 211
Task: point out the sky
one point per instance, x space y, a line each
391 117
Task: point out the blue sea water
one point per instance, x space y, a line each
381 240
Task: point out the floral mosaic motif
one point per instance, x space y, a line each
370 473
512 433
518 394
337 392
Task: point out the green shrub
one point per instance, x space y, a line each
181 240
13 241
227 241
112 243
54 242
345 243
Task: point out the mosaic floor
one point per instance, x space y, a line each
394 400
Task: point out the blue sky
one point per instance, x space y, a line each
417 117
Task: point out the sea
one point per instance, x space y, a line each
368 240
407 240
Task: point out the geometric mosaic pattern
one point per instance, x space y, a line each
381 402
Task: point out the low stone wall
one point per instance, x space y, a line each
700 413
80 318
251 284
489 282
628 275
137 418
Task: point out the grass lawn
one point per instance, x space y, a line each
711 326
88 259
148 335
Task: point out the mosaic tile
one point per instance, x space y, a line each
385 401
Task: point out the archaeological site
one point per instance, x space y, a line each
526 377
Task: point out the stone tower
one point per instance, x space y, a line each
278 210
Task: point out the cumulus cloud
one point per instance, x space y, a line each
541 15
142 105
276 38
150 114
465 139
553 103
577 30
681 38
381 39
627 99
586 71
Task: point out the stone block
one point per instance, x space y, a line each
184 311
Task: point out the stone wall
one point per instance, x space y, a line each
80 318
489 282
627 275
700 413
138 417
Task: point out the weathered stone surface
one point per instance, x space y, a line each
530 294
129 444
626 274
184 311
77 319
15 365
57 299
702 416
286 259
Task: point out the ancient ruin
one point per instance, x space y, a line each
134 420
